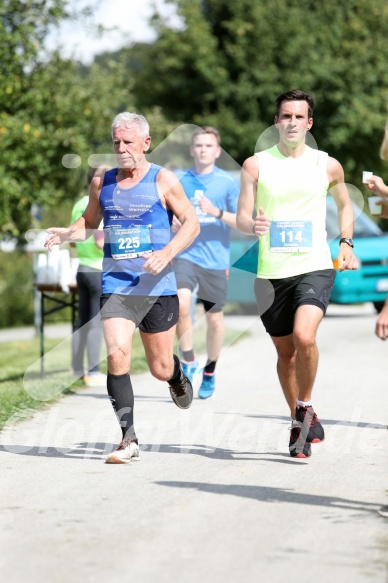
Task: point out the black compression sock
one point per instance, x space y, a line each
177 375
210 367
121 396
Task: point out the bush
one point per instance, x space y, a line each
16 289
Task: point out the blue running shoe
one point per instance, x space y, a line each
207 387
189 369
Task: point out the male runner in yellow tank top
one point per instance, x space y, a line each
288 184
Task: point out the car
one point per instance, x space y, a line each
243 269
369 283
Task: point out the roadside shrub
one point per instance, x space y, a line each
16 289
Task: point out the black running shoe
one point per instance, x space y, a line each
298 445
308 417
182 392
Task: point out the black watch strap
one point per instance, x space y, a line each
348 241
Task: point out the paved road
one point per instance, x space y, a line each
215 497
29 332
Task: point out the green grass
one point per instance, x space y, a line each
23 390
15 359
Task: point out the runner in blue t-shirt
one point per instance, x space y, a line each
205 264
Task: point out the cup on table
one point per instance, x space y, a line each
374 208
366 176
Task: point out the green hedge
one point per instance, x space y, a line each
16 289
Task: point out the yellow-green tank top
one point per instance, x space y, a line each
293 192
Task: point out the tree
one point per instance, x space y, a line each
23 27
230 60
60 113
51 107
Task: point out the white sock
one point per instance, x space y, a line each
304 403
294 423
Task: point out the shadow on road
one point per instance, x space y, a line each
98 451
268 494
361 424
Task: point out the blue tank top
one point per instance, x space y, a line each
135 221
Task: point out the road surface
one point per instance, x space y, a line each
215 497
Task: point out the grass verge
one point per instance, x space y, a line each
23 390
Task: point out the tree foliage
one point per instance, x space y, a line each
61 112
50 107
224 67
16 297
23 28
230 60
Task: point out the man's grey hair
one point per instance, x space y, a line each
128 120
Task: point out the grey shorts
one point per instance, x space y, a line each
150 313
284 296
212 283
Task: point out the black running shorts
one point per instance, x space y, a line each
278 299
212 283
151 314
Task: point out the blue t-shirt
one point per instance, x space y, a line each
210 249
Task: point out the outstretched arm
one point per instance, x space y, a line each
377 186
83 227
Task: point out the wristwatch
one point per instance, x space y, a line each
348 241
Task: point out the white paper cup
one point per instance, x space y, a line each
374 208
366 176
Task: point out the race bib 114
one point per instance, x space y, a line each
291 236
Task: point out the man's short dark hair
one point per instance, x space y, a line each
295 95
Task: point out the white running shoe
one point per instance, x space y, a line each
95 380
383 511
125 452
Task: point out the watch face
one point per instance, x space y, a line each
347 240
